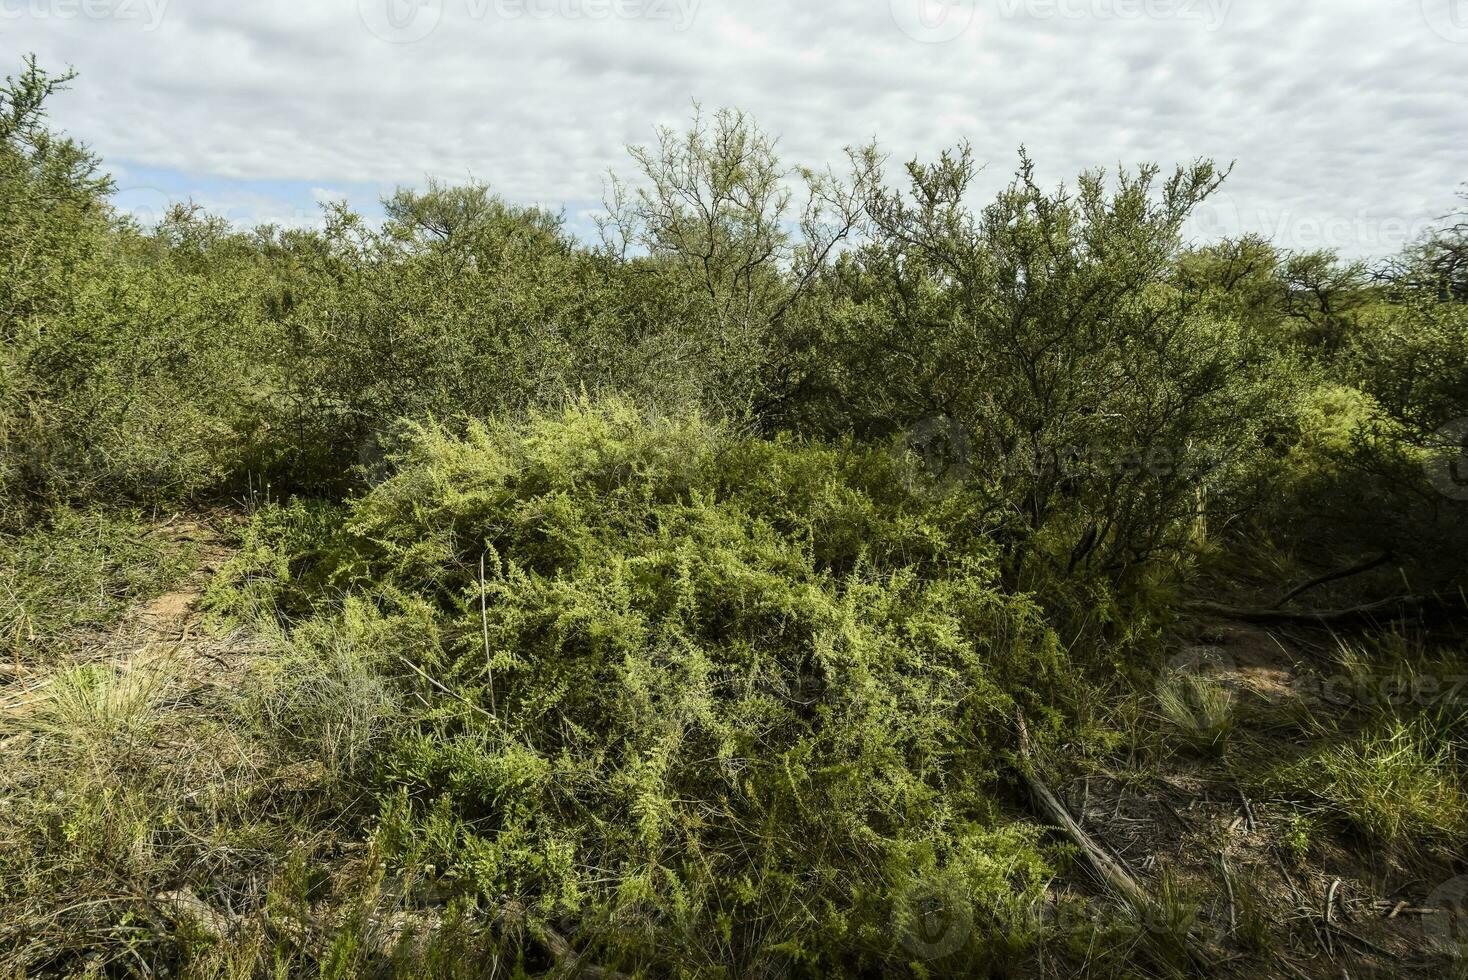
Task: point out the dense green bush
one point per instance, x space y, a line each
738 700
1096 401
459 304
125 356
1113 395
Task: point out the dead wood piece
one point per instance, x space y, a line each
1109 869
1359 569
567 959
1394 909
1233 918
183 906
1396 607
1250 823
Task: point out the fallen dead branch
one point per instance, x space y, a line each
1358 569
1394 909
1397 607
1110 869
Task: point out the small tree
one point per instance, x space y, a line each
1098 397
725 255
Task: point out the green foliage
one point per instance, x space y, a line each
1410 358
121 369
458 304
726 266
1098 402
129 790
1387 734
743 694
270 576
1199 708
1111 394
327 698
1396 785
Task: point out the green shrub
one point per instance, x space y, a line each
1199 708
1395 784
738 700
327 699
270 576
126 368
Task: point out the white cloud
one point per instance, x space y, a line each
325 195
1348 113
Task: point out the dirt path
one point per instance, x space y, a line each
163 634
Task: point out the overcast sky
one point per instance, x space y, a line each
1347 118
